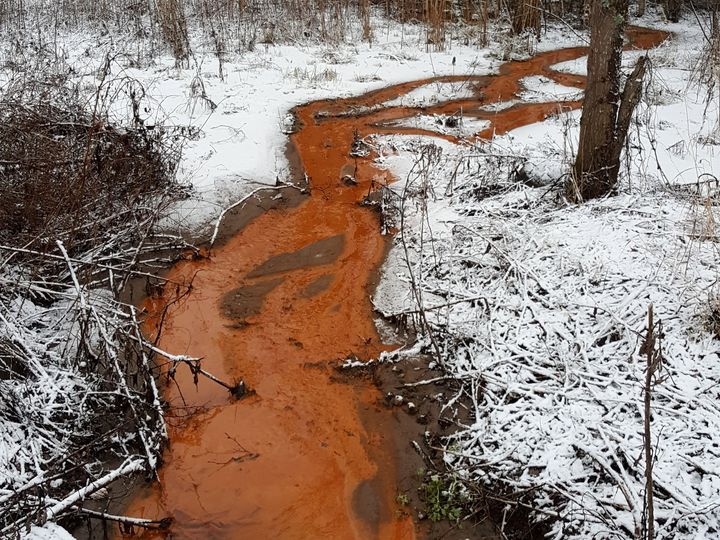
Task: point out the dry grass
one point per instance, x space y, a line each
68 174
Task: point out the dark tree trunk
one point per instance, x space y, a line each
640 8
606 111
672 9
525 15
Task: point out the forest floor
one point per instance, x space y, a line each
537 307
540 307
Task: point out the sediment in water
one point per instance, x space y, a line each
277 305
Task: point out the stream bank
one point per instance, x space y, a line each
278 305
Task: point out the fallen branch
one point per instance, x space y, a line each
161 524
129 467
238 389
216 230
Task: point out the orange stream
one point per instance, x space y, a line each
295 460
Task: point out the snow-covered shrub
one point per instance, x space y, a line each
79 201
539 309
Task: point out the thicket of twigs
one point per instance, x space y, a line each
540 311
231 26
234 26
68 175
707 69
79 203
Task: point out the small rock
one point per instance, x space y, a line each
452 122
289 124
422 419
421 516
349 180
359 148
411 408
239 390
398 400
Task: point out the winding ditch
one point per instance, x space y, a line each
304 455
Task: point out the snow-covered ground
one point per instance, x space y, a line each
443 124
237 124
541 305
433 93
540 308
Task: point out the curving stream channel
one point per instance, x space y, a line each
277 305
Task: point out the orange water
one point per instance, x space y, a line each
295 460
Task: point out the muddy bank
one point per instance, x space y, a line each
282 197
278 304
410 409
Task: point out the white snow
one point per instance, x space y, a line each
543 89
241 142
433 93
540 307
456 125
49 531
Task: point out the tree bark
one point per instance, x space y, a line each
630 98
606 112
672 9
524 15
640 8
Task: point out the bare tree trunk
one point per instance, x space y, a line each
630 98
524 15
606 112
672 9
640 8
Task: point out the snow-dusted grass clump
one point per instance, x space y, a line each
433 93
542 89
49 531
71 423
454 125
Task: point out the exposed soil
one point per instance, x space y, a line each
411 411
310 453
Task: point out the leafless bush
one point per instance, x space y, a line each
712 318
435 17
707 70
216 28
70 175
79 203
525 16
241 25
